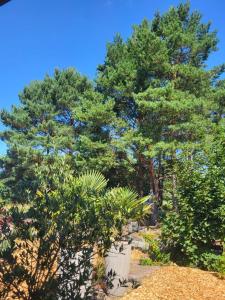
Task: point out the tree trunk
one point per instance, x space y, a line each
154 183
174 184
140 175
160 180
174 187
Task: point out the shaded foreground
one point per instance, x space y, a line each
176 283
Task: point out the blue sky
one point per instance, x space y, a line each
39 35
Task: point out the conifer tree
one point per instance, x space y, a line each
162 91
60 115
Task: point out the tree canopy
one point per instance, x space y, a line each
152 120
62 115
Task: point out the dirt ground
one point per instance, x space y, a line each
179 283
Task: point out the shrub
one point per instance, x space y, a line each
146 261
155 253
46 251
213 262
191 231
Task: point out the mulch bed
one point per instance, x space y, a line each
179 283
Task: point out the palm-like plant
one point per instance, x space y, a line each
128 203
124 200
70 215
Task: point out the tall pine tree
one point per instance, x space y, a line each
161 88
60 115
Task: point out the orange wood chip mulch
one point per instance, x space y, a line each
179 283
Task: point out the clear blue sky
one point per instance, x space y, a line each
39 35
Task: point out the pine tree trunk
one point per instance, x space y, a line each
160 180
154 183
140 175
174 185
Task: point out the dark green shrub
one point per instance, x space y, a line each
214 262
191 231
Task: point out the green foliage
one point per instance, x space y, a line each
214 263
199 220
59 230
60 115
219 101
154 121
146 261
155 252
153 98
162 95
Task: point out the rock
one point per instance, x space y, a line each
119 262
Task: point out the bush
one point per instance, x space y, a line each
48 245
191 231
213 262
146 261
154 252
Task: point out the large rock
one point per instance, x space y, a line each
119 262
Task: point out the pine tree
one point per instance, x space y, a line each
219 101
161 90
60 115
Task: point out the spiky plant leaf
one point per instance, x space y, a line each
92 180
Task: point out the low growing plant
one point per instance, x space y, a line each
146 261
213 262
155 252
